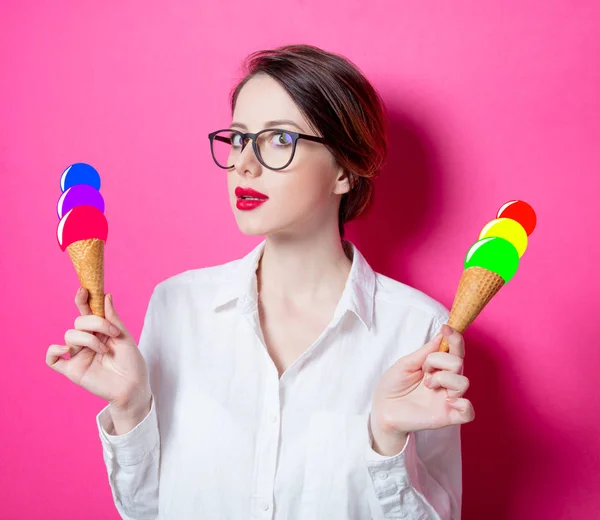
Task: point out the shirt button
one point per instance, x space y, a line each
264 506
382 475
274 418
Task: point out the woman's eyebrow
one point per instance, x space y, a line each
275 122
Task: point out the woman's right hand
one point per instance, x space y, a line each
105 359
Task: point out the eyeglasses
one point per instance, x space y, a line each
273 147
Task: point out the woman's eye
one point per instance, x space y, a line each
236 140
281 139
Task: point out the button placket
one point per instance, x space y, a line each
268 439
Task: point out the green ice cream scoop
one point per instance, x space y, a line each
494 254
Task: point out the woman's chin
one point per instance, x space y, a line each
253 233
253 228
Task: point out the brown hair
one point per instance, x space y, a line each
340 104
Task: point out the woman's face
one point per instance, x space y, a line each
303 197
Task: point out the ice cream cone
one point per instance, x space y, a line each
88 259
476 288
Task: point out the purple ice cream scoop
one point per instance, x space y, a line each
79 195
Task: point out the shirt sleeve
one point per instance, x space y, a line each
132 459
424 480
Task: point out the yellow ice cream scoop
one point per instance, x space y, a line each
509 230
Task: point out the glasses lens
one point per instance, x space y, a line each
226 147
275 148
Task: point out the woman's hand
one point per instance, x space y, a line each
105 359
421 391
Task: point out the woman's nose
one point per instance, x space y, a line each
247 161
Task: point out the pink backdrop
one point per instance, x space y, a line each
487 103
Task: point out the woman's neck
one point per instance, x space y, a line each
303 270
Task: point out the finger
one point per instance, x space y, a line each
443 361
92 323
461 410
81 300
111 315
455 384
54 357
455 340
80 338
414 361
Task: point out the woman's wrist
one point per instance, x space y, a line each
385 442
126 418
389 446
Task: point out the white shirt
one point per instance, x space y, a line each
227 439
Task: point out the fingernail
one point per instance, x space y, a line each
428 379
447 330
110 298
451 400
114 331
65 349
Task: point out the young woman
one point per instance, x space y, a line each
295 382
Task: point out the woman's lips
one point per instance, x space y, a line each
247 204
246 193
247 198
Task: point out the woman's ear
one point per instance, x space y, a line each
342 183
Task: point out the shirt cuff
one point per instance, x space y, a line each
389 473
132 447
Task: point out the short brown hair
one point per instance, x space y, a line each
340 104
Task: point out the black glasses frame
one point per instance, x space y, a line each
253 136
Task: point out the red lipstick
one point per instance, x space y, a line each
248 199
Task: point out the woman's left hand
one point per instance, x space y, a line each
421 391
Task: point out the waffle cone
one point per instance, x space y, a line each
88 259
476 288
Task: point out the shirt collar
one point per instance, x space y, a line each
357 296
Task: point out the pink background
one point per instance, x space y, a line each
487 103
